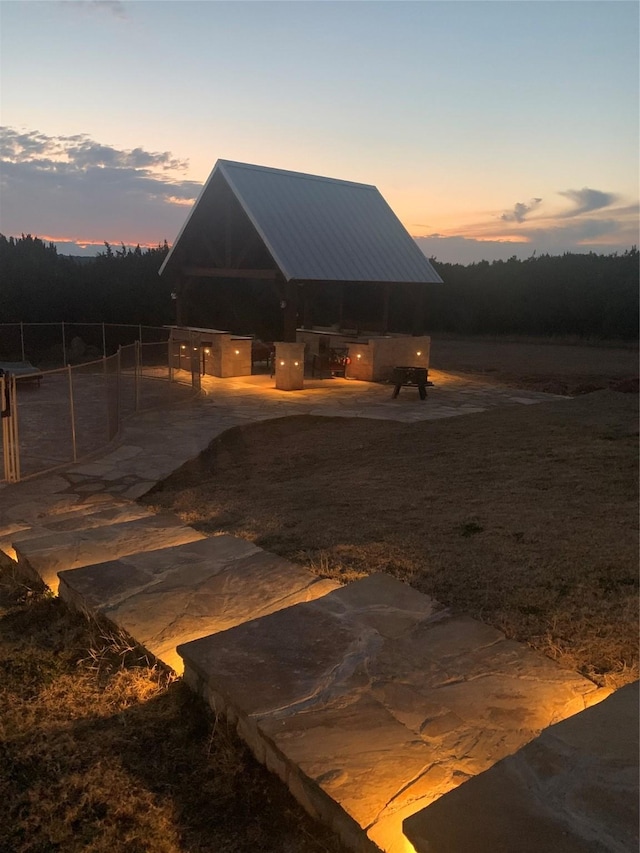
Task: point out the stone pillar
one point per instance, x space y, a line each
289 366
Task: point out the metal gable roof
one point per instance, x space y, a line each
323 229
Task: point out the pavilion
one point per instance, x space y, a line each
302 241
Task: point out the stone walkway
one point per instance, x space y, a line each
370 701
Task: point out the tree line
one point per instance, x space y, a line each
121 285
586 295
583 295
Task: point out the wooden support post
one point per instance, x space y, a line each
290 308
418 311
341 305
180 313
386 294
307 306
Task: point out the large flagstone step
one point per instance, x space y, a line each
81 516
574 789
44 556
29 506
175 594
371 702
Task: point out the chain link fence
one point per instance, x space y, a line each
66 414
50 345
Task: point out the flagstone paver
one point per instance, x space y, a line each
45 556
80 517
574 789
170 596
377 701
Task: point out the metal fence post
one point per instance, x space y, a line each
73 415
194 352
118 370
104 342
136 376
64 346
22 340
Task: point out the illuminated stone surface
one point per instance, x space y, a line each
574 789
168 596
289 366
45 556
380 701
80 518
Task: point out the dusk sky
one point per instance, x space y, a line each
492 128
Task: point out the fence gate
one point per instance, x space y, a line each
9 417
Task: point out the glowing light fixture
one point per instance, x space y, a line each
183 346
207 352
237 352
419 352
282 364
359 355
296 363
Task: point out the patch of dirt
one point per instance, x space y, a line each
553 367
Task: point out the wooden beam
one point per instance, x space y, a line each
229 272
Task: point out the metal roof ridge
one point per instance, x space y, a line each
304 175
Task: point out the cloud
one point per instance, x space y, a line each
562 237
72 185
520 211
80 151
586 228
466 250
586 200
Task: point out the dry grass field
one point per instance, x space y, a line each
524 517
556 367
101 752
